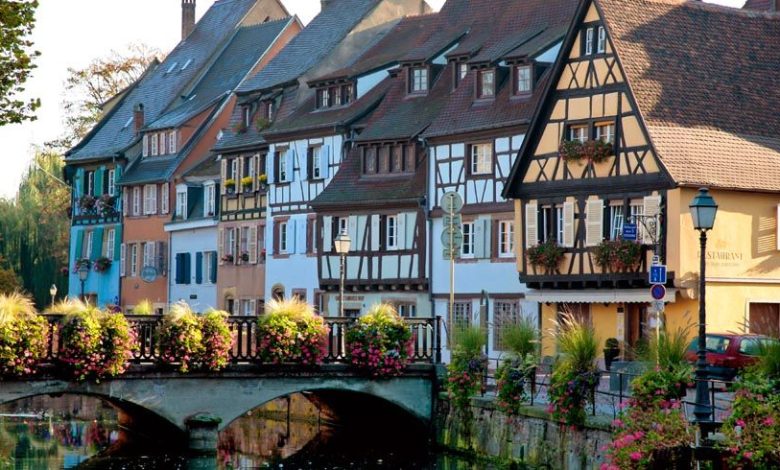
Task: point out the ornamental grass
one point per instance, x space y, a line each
22 336
180 338
379 343
291 332
467 368
521 341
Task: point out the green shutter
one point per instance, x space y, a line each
79 245
187 268
179 268
99 178
97 244
199 268
214 263
78 184
117 241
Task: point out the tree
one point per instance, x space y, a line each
9 283
17 19
89 91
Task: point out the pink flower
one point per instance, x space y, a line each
741 423
636 456
748 455
769 421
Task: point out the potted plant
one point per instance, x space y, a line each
246 183
611 352
180 338
521 342
217 340
547 255
82 262
263 180
379 343
230 185
105 205
593 151
290 331
466 371
23 335
102 264
245 256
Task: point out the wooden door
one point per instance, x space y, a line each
636 322
764 319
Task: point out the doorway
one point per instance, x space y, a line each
636 322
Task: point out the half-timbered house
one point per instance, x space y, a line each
500 66
182 137
276 219
641 110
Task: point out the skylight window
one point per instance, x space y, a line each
186 64
172 67
129 121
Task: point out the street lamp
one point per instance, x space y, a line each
703 210
83 272
53 293
342 244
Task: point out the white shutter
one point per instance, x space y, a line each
153 207
327 233
122 259
252 244
487 238
255 161
220 245
401 231
375 233
531 225
290 165
253 306
145 144
223 173
300 236
164 195
324 161
594 222
652 208
124 202
568 224
479 238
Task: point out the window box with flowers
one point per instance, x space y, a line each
618 255
102 264
106 205
228 258
87 203
230 185
239 128
245 257
263 181
262 123
593 151
547 255
246 183
82 262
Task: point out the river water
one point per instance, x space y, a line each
296 432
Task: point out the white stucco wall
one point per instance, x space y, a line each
193 240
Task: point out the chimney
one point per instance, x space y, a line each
187 18
325 3
138 117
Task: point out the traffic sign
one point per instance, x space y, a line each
658 292
658 274
456 237
451 202
456 220
629 232
447 253
658 305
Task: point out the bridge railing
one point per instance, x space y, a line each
426 334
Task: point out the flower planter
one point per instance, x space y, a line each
230 189
547 256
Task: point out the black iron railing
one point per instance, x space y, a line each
426 334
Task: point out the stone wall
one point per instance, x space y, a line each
532 439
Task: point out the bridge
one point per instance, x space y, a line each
192 408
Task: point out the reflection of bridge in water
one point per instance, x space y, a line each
155 400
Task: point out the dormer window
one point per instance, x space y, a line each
145 146
209 200
601 45
338 95
418 80
269 110
172 142
589 33
324 98
523 79
347 92
154 150
461 69
486 86
247 116
181 204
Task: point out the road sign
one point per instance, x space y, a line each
456 237
658 274
447 253
149 274
456 220
658 305
658 292
451 202
629 232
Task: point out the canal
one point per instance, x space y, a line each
302 431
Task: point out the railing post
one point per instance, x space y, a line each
437 340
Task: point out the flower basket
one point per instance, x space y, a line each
618 255
262 123
379 344
180 338
105 205
547 255
290 332
87 202
246 183
512 378
82 262
230 186
102 264
593 151
22 336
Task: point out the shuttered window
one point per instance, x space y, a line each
134 260
164 195
122 260
594 222
136 200
568 225
531 225
506 239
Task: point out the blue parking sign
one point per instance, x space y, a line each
629 232
658 274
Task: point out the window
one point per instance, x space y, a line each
391 232
397 159
111 182
589 41
601 45
134 259
551 224
145 146
90 183
481 159
137 201
150 199
615 221
605 132
108 243
210 195
172 142
324 99
559 225
315 163
269 110
230 242
369 160
463 70
467 250
505 313
154 145
248 307
637 212
487 84
335 93
347 92
384 159
578 133
418 80
161 136
340 224
282 162
462 313
246 116
149 259
181 204
87 253
165 191
406 310
209 266
523 79
506 236
283 237
243 243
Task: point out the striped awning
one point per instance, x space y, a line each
596 296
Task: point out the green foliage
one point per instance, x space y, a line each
290 331
22 336
466 371
769 360
217 340
180 338
81 343
9 283
16 59
547 255
753 429
661 385
575 374
468 341
143 307
379 343
521 339
514 373
668 350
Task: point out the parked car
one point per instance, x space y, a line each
728 353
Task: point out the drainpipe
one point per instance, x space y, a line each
483 319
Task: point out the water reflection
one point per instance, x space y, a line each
299 432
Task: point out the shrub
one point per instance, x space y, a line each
753 429
180 338
468 365
22 336
217 340
290 331
514 373
575 374
81 345
379 343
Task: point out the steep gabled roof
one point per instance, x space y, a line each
163 84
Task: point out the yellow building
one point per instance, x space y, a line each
648 101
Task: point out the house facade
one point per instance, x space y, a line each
619 139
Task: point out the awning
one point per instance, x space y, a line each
596 296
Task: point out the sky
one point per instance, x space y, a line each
71 33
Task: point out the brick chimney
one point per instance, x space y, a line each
187 18
138 117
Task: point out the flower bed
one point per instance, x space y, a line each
752 432
22 336
379 343
290 331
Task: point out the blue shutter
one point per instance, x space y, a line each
78 184
199 268
97 244
79 244
187 268
213 273
99 177
117 241
324 161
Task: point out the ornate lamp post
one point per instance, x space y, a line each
83 273
53 293
342 244
703 210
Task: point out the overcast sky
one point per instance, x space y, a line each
70 33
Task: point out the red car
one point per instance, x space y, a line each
728 353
